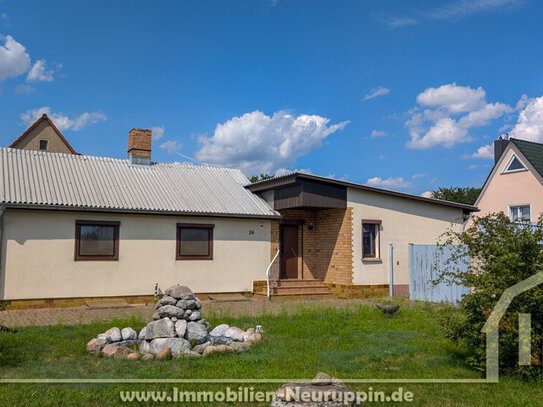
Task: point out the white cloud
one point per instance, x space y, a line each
427 194
158 132
465 8
256 142
376 92
171 146
473 167
39 72
395 22
393 183
23 89
456 99
14 60
415 176
378 133
529 125
451 111
484 152
61 121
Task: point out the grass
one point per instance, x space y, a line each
349 342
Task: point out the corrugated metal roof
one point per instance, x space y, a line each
33 178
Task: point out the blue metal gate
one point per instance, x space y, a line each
423 259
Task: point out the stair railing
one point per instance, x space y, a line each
272 273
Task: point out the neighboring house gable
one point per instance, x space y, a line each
515 184
43 135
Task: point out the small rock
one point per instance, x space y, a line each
133 356
221 340
196 315
105 337
123 352
115 334
170 311
223 349
181 328
95 346
128 334
196 333
166 300
248 334
164 354
235 333
187 313
200 348
141 336
209 350
148 356
174 319
180 292
321 379
163 328
188 354
198 303
109 350
156 316
239 347
255 338
202 321
219 330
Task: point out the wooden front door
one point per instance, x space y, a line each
288 239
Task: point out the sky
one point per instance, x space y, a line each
405 95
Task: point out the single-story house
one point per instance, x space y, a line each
75 228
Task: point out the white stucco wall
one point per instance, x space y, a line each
404 221
38 256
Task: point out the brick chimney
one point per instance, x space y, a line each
499 146
139 146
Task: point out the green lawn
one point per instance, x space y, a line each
349 342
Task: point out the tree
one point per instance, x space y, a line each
466 195
501 253
261 177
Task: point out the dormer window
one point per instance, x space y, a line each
514 165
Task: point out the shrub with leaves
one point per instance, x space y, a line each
499 253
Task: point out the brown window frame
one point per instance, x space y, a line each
179 226
376 239
115 224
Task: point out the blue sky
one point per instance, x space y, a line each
402 94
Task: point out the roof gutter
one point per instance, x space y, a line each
134 211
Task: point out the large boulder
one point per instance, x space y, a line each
115 334
175 344
235 333
163 328
128 334
180 292
141 336
170 311
123 352
105 337
181 328
196 333
109 350
219 330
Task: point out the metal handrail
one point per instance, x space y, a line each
268 274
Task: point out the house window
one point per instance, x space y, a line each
96 240
43 145
520 213
194 241
370 239
514 165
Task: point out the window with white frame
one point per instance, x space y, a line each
514 165
519 213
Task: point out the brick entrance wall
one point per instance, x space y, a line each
326 252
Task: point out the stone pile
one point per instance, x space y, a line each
178 329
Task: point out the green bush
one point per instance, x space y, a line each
502 253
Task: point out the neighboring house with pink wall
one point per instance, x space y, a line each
515 184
